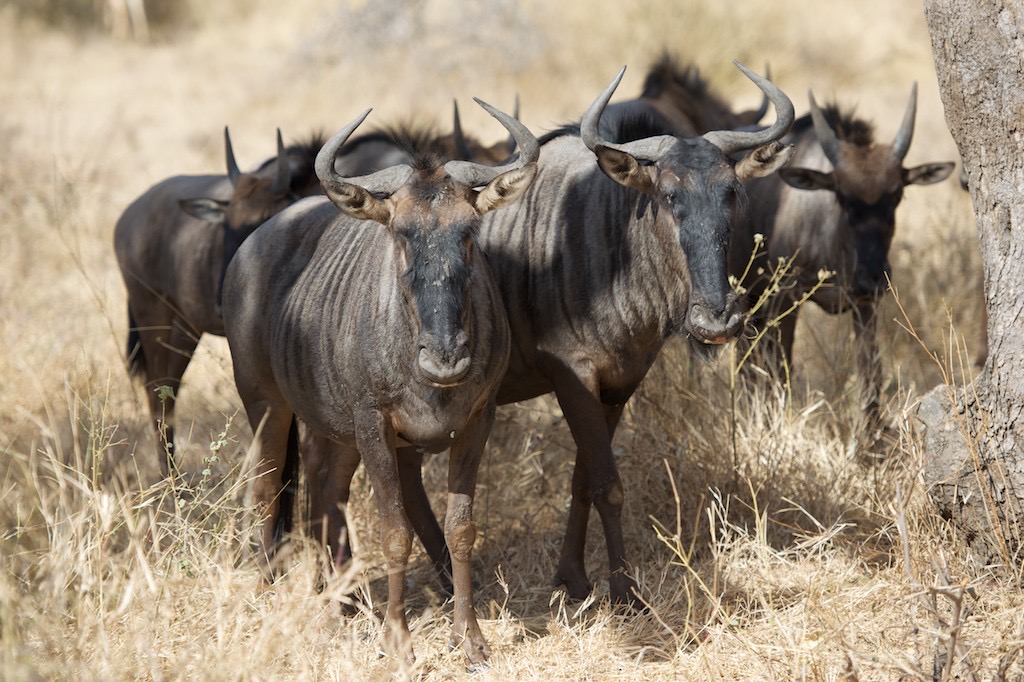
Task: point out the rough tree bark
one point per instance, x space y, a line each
974 435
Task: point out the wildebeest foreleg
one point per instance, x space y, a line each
460 532
869 363
376 443
599 481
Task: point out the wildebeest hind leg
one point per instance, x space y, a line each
166 348
330 467
421 516
572 572
177 353
271 421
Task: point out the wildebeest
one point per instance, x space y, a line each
379 327
619 258
685 102
173 260
845 227
598 265
175 241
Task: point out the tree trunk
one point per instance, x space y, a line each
974 435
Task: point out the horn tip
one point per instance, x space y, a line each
484 104
618 79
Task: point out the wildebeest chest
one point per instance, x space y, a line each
355 335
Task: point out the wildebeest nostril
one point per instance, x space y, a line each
444 371
714 329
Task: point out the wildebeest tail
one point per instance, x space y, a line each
290 482
136 358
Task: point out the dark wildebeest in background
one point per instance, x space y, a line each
173 261
471 149
683 102
598 265
845 227
396 144
379 327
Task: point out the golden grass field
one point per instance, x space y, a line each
769 542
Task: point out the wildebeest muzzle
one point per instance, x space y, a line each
715 325
444 362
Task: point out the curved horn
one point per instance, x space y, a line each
826 136
475 174
763 109
382 182
906 132
511 137
589 125
283 179
233 172
461 148
648 149
732 141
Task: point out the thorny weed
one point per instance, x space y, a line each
776 282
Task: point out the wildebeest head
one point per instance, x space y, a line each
257 196
695 186
867 180
432 211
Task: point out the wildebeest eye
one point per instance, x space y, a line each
733 197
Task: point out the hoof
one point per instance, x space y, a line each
576 585
624 592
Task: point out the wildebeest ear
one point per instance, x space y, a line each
356 202
764 160
211 210
505 188
805 178
624 169
927 174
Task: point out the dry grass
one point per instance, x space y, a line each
766 544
